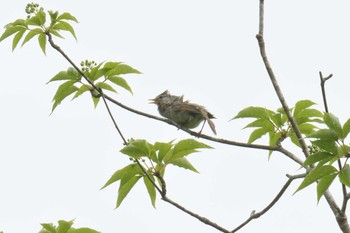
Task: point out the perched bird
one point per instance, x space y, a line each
183 113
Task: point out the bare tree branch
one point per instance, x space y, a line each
161 191
199 135
260 38
339 213
207 137
323 82
200 218
99 90
340 217
112 117
256 215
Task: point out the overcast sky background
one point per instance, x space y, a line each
52 167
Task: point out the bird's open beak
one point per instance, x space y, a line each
153 101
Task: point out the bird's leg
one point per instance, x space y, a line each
200 132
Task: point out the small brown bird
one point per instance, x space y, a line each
182 112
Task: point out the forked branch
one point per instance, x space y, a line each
261 41
340 216
256 215
323 83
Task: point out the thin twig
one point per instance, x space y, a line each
256 215
199 135
340 217
207 137
344 189
323 82
111 116
53 45
274 82
99 90
200 218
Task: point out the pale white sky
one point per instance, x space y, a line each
52 167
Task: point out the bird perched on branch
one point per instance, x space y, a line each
183 113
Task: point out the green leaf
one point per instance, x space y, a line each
309 113
327 145
42 42
95 101
316 174
324 184
186 147
344 175
67 16
41 17
111 64
277 119
120 82
105 86
121 172
293 137
324 134
82 230
53 16
11 30
31 34
138 148
261 123
256 134
82 89
17 22
273 139
96 72
333 123
64 226
306 128
317 157
301 105
163 148
56 33
34 20
344 150
125 189
49 227
168 156
346 128
254 112
17 38
121 68
62 92
70 74
62 25
184 163
150 189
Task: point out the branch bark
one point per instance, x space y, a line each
323 83
200 218
261 42
340 216
256 215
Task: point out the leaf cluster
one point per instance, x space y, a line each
153 160
275 124
102 76
64 227
329 146
36 25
